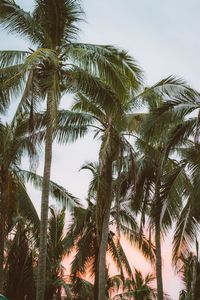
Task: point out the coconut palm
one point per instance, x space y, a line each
138 288
160 185
59 64
122 221
190 274
21 258
111 117
55 253
82 231
16 141
178 116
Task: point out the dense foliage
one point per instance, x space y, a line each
144 184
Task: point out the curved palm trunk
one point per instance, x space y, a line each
41 276
158 260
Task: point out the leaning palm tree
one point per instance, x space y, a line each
58 65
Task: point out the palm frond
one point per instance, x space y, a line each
59 193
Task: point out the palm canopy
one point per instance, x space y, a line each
190 275
122 221
175 122
180 114
17 141
138 288
82 231
57 51
58 65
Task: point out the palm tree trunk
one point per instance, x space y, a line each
41 276
2 236
194 278
104 199
102 256
3 226
95 293
158 260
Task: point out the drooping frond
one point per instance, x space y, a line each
15 19
11 58
115 66
56 191
185 233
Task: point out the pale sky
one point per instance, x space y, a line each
163 36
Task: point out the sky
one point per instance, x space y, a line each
163 36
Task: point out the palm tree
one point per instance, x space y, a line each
58 65
138 287
21 259
56 251
16 141
160 185
22 256
111 117
190 274
83 232
179 115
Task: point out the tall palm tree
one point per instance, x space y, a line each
159 188
112 117
16 141
122 220
179 115
59 64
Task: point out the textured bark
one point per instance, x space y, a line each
4 177
41 276
2 235
96 276
158 260
108 153
102 256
